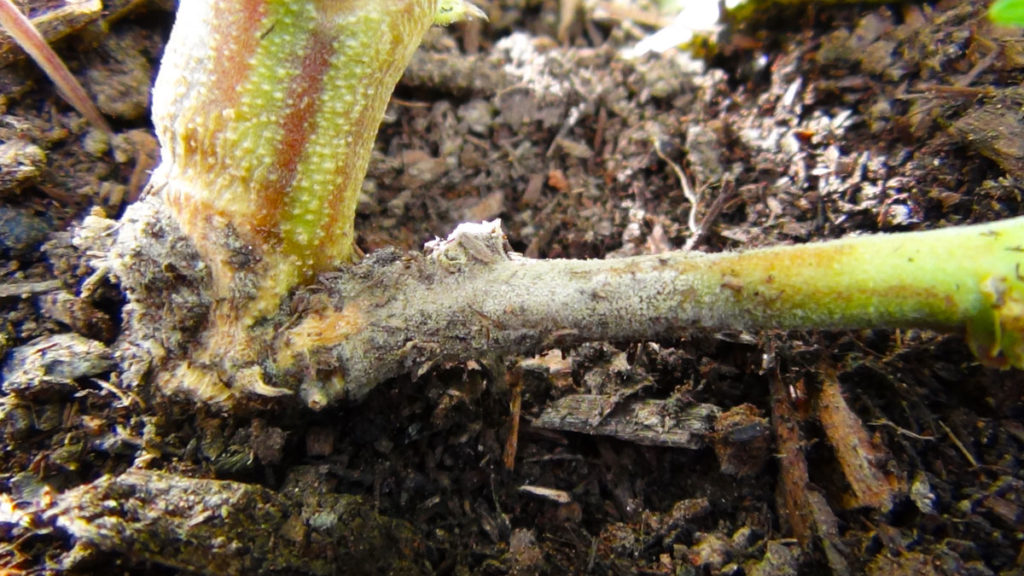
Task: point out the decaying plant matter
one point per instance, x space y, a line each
25 34
239 264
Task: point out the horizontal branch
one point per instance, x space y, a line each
470 297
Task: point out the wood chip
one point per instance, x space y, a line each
858 456
646 422
26 289
803 509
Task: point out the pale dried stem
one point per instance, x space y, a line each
471 298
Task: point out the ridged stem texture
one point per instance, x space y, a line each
266 112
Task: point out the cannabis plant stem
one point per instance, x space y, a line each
470 298
265 131
267 110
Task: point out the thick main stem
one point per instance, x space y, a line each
267 111
471 298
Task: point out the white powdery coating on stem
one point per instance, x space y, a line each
472 298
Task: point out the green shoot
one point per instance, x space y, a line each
1007 12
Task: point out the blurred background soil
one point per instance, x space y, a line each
872 452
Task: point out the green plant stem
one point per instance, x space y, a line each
470 299
266 112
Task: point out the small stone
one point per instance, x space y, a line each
21 163
742 441
21 232
51 364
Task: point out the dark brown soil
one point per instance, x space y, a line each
875 452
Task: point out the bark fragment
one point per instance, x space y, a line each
859 457
801 505
645 422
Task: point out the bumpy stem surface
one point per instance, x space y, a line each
471 298
267 111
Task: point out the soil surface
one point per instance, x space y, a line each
873 452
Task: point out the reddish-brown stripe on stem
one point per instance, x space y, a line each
298 123
234 38
391 51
